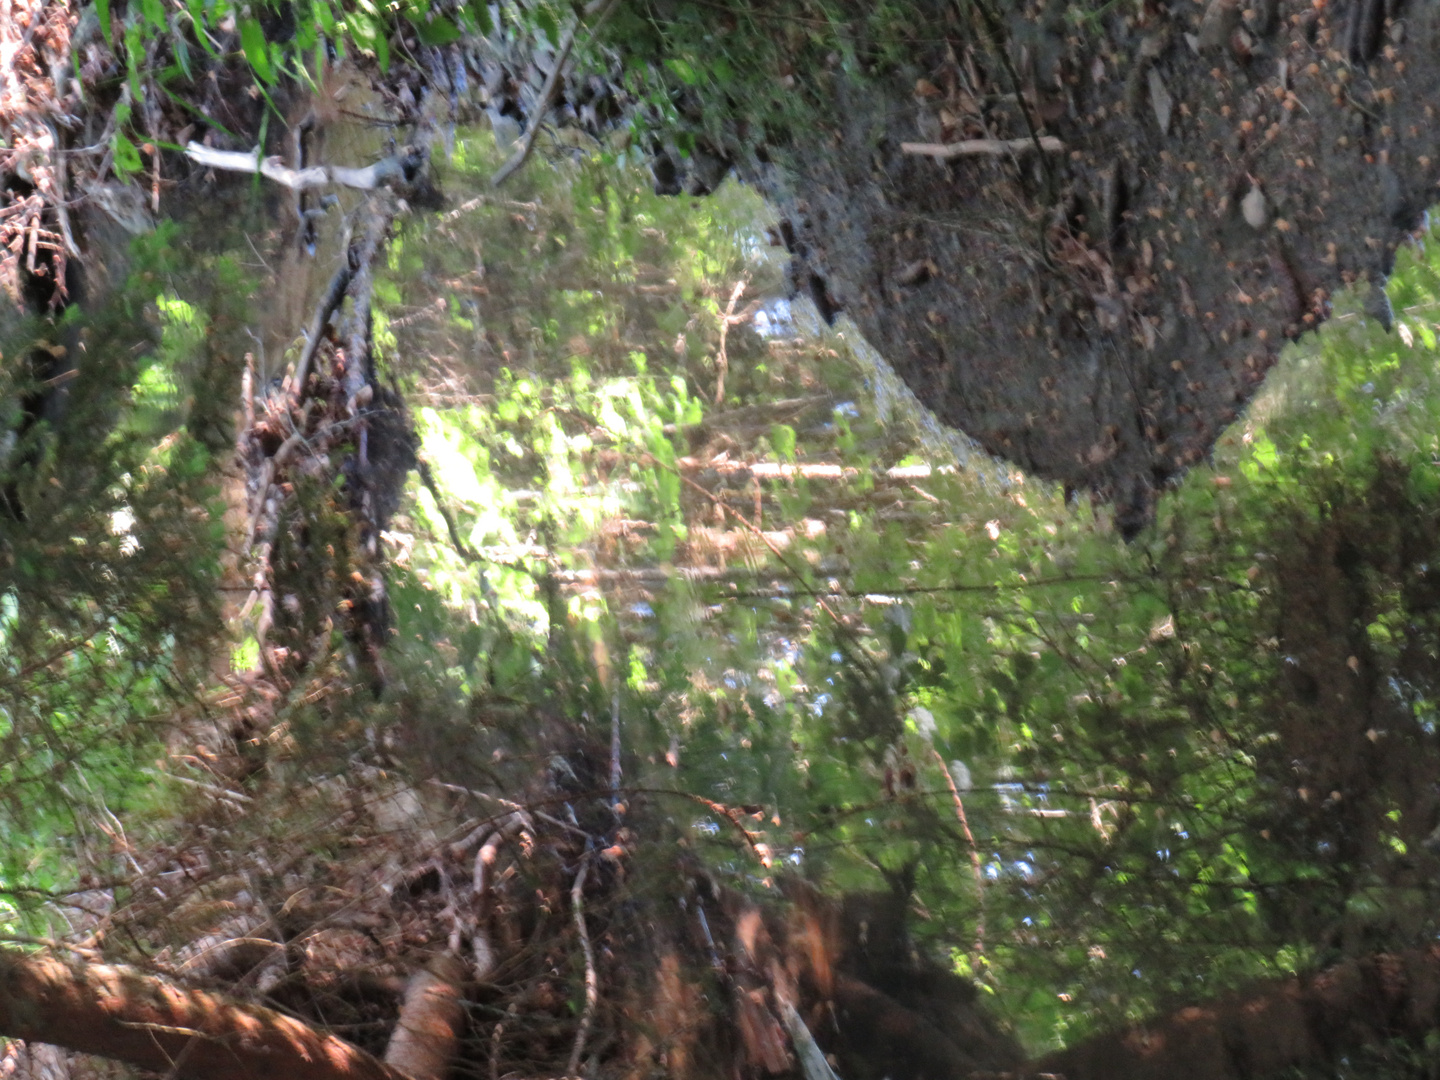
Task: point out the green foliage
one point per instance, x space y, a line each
1161 809
110 538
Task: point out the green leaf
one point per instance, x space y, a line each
436 31
479 11
782 437
198 18
305 36
102 10
257 51
546 22
127 157
182 55
683 69
134 58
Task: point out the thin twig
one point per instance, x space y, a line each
427 477
974 858
602 9
52 943
495 1036
592 982
484 951
62 215
540 815
722 362
615 748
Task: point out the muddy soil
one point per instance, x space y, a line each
1098 314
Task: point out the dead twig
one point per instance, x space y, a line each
496 1035
592 981
974 858
427 477
976 147
398 167
484 951
615 749
722 363
332 299
509 804
601 9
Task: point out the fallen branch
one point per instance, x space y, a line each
977 147
813 1065
398 167
267 477
334 296
480 944
592 981
119 1013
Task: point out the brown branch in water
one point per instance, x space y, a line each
592 981
977 147
600 8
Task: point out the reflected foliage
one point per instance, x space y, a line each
1094 778
111 538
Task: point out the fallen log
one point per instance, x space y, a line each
120 1013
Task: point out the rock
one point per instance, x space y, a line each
916 273
1252 206
506 128
1218 23
1161 101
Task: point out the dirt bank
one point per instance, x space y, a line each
1098 314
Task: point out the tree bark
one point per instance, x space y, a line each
1309 1021
119 1013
